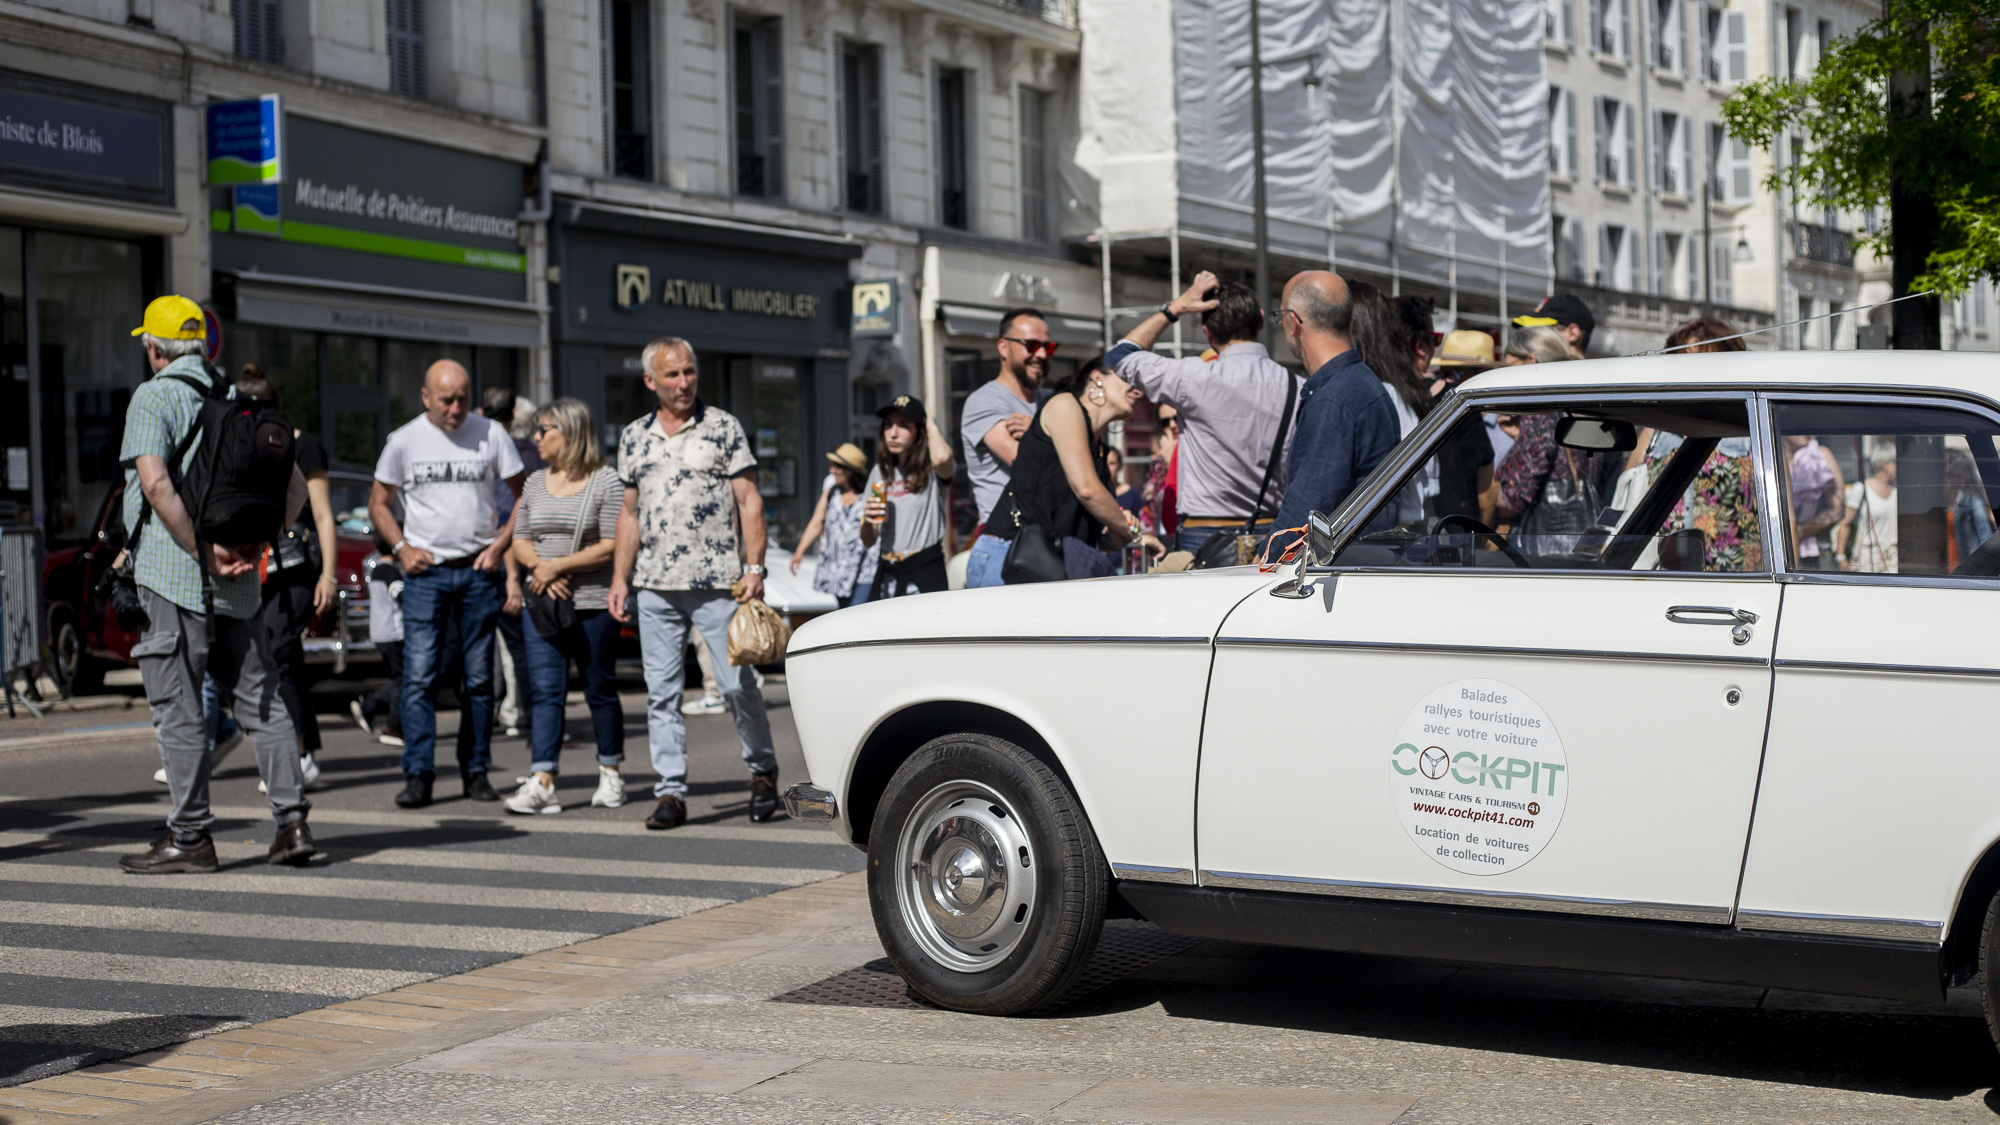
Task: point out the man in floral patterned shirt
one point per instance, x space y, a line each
689 480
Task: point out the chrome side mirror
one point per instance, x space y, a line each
1296 587
1319 539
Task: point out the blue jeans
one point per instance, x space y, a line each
547 674
665 617
431 599
982 567
220 724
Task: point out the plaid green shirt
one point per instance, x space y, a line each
161 413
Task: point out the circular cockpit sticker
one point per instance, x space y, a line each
1478 777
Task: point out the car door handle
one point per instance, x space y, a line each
1739 620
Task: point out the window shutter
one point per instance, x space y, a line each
1625 30
1576 250
1659 272
1600 152
1740 186
1555 129
1596 9
1659 151
1603 255
1034 166
1631 146
772 52
406 47
1736 34
1704 61
1569 127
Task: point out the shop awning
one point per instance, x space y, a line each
976 320
376 310
130 218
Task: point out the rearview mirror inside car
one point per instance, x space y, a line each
1595 435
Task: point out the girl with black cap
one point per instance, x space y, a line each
905 512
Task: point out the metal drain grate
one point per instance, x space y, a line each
1125 947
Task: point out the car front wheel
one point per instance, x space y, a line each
986 881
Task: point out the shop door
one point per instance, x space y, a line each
16 417
88 293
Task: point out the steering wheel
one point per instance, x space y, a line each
1458 519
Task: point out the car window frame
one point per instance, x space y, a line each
1769 401
1457 403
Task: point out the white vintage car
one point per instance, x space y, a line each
1722 703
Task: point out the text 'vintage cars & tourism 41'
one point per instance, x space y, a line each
1714 703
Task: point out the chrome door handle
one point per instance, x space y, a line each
1739 620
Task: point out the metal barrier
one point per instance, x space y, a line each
20 606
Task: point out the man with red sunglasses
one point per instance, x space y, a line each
996 415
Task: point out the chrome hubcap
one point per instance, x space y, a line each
967 876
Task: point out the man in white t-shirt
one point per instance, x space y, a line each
445 464
990 429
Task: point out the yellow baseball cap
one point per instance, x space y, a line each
173 318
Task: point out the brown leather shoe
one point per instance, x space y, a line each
294 845
671 812
166 857
763 796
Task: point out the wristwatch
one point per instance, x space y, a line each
1167 310
755 568
398 548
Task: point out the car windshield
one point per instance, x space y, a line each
1638 486
349 492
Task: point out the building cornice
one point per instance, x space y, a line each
666 203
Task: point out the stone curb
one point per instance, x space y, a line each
203 1078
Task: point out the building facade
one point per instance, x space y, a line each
1655 207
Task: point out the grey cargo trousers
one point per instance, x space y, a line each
173 652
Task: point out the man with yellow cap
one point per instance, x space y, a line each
1567 314
179 643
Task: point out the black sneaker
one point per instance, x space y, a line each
168 856
294 845
416 791
477 788
671 812
763 796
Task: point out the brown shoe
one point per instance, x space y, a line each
671 812
763 796
166 857
294 845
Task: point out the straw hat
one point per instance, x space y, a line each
1465 348
849 456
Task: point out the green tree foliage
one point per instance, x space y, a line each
1856 143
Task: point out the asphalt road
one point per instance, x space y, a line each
97 964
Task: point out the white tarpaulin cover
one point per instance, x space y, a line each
1396 132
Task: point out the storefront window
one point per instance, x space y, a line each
89 294
404 363
289 358
14 415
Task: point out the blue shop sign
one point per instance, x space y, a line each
62 137
246 142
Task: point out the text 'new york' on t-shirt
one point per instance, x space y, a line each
447 479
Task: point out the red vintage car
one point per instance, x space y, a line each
83 635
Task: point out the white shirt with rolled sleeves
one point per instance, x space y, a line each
446 478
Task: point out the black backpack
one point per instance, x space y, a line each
235 490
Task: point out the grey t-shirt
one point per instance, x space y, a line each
551 522
985 408
916 518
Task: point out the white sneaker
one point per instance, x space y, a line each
160 775
610 789
360 716
533 797
387 739
261 787
310 770
708 704
224 747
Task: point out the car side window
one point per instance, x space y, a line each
1622 486
1883 489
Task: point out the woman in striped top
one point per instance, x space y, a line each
564 528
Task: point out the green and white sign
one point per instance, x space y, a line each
1478 777
246 142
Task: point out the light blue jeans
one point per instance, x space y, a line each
982 567
665 617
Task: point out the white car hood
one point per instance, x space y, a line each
1184 605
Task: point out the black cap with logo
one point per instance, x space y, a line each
909 405
1561 309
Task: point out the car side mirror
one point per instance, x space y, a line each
1596 435
1319 539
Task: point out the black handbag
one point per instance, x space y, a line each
1034 555
551 616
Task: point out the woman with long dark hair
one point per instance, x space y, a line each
1061 486
905 513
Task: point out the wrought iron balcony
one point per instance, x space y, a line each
1059 12
1817 243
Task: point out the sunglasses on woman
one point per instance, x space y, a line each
1033 347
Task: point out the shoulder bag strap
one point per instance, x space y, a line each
1277 450
173 473
589 489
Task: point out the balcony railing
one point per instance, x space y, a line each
1059 12
1817 243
